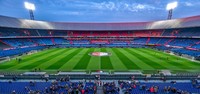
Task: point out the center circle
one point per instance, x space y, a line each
100 54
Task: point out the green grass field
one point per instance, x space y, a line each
122 59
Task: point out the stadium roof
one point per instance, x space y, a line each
165 24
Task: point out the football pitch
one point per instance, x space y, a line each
79 59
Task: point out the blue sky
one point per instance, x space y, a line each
99 10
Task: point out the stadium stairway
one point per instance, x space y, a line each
162 33
33 42
194 44
100 90
148 40
166 43
53 41
175 32
5 43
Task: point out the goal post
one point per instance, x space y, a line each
7 58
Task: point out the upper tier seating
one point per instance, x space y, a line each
98 33
11 32
59 33
182 32
147 33
16 32
5 32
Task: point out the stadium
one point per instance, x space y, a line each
42 57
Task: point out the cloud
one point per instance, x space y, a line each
74 13
104 6
188 4
121 6
78 7
140 7
191 3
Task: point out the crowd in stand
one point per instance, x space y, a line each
146 33
130 87
61 85
110 88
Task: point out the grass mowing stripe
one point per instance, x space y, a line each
105 61
24 57
146 60
116 62
169 60
158 61
55 59
39 55
127 62
174 56
84 61
45 59
13 62
94 63
69 66
6 66
186 61
138 60
64 60
32 60
134 60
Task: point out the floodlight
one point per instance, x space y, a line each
172 5
29 6
170 8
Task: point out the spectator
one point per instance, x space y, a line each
151 89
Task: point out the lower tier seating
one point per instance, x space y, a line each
54 87
188 46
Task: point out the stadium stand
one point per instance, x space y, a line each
18 42
161 88
185 43
183 40
53 87
120 87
